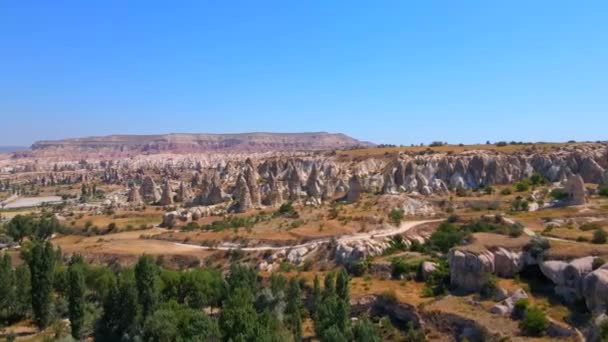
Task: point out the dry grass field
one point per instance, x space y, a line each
384 151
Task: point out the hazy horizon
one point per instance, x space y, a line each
389 72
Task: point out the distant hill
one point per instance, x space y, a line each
125 145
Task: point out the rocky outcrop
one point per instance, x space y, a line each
251 177
314 187
166 197
568 277
575 188
595 290
133 195
148 190
427 268
355 188
183 193
469 272
506 306
347 252
242 196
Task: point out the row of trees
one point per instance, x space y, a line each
147 302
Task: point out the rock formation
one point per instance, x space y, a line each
355 189
575 188
148 190
242 195
166 197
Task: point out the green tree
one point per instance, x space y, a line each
294 309
161 326
365 331
329 287
333 334
317 297
238 319
7 283
20 227
201 287
342 285
76 298
146 273
23 295
120 311
42 262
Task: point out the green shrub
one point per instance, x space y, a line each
597 263
559 194
520 308
589 226
535 322
603 190
446 237
396 216
505 191
522 185
599 236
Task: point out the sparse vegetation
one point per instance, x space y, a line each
396 216
535 322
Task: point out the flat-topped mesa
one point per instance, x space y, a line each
128 145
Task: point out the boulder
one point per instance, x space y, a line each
595 290
468 271
427 268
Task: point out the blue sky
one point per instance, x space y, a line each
387 71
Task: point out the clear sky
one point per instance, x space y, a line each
387 71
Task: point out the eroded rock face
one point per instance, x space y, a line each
469 272
355 188
351 251
242 195
148 190
506 306
183 193
134 196
314 186
595 289
166 197
508 263
251 177
575 188
568 277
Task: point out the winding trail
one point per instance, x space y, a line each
404 227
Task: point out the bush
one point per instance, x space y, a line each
599 236
535 322
603 190
490 287
537 246
501 144
597 263
522 185
446 237
396 216
589 226
287 209
559 194
520 308
505 191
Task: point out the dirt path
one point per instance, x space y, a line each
404 227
